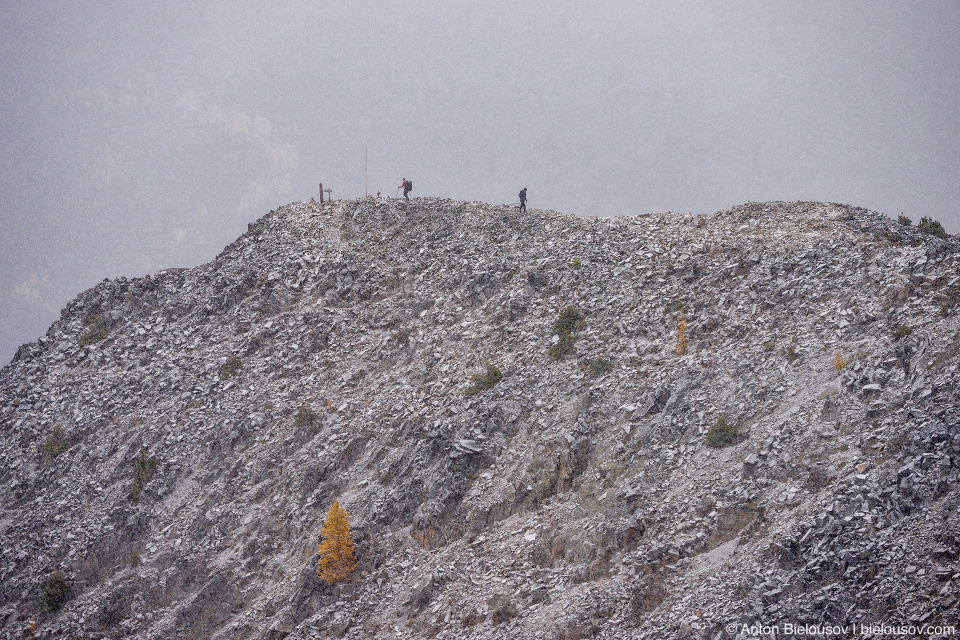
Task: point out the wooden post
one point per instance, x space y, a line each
321 193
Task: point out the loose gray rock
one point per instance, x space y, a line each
173 443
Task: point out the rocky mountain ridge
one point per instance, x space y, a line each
173 442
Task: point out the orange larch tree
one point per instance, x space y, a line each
336 549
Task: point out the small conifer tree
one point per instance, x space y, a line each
681 334
336 549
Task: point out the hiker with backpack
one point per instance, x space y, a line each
407 187
523 200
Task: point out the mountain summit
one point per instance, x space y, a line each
501 404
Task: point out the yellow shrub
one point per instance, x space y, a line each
681 334
838 361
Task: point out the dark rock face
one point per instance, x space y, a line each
326 353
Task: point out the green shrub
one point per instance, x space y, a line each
56 443
675 305
599 367
566 327
570 320
932 227
792 353
723 434
306 417
143 468
563 347
892 238
902 331
56 591
96 330
953 300
904 220
484 381
230 367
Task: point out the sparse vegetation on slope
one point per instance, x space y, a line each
57 442
480 382
565 328
723 434
231 367
56 591
96 330
143 468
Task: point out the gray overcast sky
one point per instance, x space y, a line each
137 136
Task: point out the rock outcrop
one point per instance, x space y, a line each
171 446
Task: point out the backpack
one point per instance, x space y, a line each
409 185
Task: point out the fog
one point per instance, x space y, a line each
140 136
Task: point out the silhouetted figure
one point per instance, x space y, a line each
523 200
407 188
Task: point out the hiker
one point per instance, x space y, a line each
407 187
523 200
